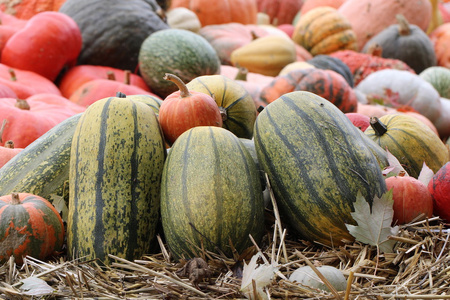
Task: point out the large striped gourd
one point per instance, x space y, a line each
210 193
42 168
410 141
116 164
317 163
235 103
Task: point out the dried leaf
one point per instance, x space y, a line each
261 274
34 286
394 167
425 174
60 205
374 225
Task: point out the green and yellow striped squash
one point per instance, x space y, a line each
410 141
235 103
317 163
42 168
116 163
210 194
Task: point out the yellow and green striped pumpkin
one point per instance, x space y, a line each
410 141
116 163
211 194
317 162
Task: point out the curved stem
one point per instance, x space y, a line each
403 24
2 129
110 75
223 113
127 77
241 74
377 126
184 92
12 74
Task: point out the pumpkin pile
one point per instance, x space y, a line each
188 129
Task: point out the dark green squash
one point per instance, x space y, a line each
327 62
405 42
116 162
113 30
210 194
317 162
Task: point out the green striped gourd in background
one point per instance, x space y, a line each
316 162
235 103
210 194
410 141
116 163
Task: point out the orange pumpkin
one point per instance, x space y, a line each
369 17
311 4
323 30
7 151
25 9
440 37
222 11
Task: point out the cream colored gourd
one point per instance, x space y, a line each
183 18
266 55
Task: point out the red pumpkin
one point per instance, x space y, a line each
26 83
280 11
186 109
78 75
325 83
27 120
359 120
6 92
29 225
97 89
9 25
222 11
48 42
439 187
7 152
411 198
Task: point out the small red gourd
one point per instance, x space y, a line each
360 120
439 187
29 225
7 151
186 109
411 198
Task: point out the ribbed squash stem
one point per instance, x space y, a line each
241 74
375 50
184 92
12 74
223 113
9 144
110 75
377 126
403 24
127 77
120 95
2 129
22 104
15 200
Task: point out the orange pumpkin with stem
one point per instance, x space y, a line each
186 109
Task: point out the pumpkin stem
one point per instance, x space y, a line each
22 104
9 144
12 74
110 75
377 126
120 95
15 200
403 24
254 35
127 77
184 92
223 113
2 129
241 74
375 49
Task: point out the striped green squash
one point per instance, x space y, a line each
210 194
410 141
317 162
439 78
235 103
176 51
42 168
116 162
